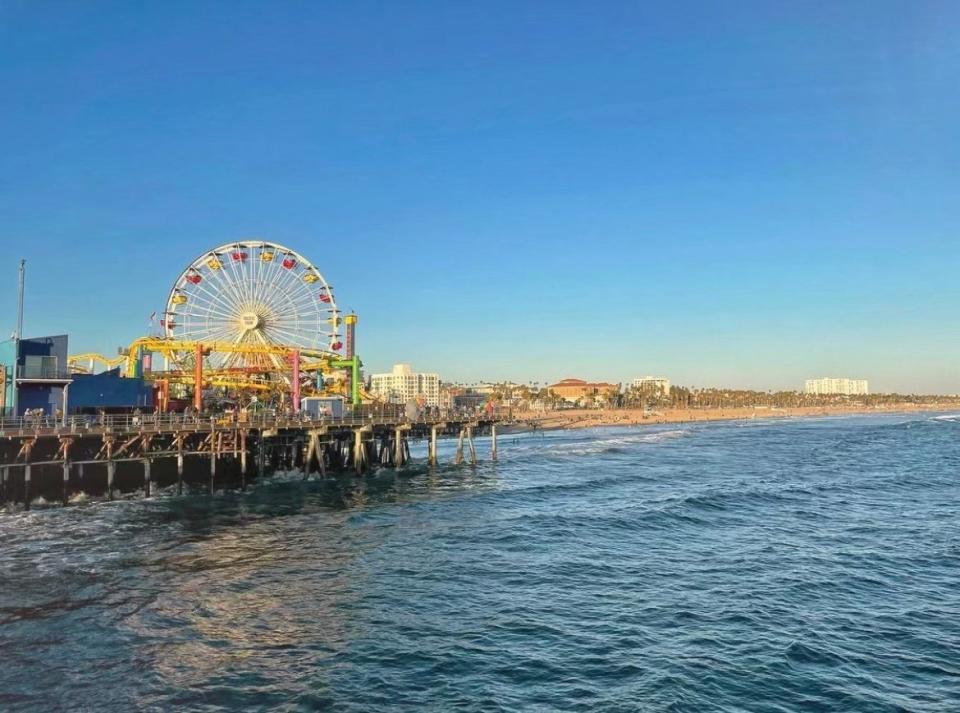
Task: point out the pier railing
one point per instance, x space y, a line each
167 422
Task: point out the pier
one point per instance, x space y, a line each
56 458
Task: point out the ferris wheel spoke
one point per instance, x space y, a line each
211 287
229 288
228 275
303 288
213 298
278 362
287 282
239 271
292 313
205 336
205 311
278 334
239 277
201 321
262 273
298 338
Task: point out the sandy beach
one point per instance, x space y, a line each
592 418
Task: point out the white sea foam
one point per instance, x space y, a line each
602 445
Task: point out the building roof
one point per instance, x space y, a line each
582 383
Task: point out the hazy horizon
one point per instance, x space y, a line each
743 196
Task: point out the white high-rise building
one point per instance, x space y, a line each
829 385
653 383
401 386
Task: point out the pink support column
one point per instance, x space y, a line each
295 386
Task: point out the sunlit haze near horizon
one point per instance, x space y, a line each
726 194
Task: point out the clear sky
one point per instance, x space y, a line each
724 193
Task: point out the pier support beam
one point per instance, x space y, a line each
473 450
146 477
493 442
4 480
432 448
398 453
26 448
243 460
198 379
213 460
180 467
261 455
359 452
458 458
111 471
66 482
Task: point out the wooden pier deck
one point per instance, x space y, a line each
56 458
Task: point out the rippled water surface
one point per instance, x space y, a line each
758 566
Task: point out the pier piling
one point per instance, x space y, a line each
473 450
398 453
243 461
432 449
66 482
358 451
180 470
213 461
458 459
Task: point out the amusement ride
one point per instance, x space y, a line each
248 319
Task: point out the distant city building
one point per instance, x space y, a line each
503 387
447 392
651 384
828 385
470 401
402 385
579 390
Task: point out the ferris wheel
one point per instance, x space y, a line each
252 294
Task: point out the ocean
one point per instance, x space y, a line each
792 565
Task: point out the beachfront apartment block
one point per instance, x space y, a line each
402 385
830 385
652 384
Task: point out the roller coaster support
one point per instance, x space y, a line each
295 381
198 377
353 364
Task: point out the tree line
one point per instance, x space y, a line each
691 397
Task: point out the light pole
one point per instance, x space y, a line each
18 335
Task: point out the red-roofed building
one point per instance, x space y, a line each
579 390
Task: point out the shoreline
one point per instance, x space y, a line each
591 418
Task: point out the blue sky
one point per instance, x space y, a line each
742 194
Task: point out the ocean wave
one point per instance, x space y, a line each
595 446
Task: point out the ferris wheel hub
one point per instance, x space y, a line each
251 320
